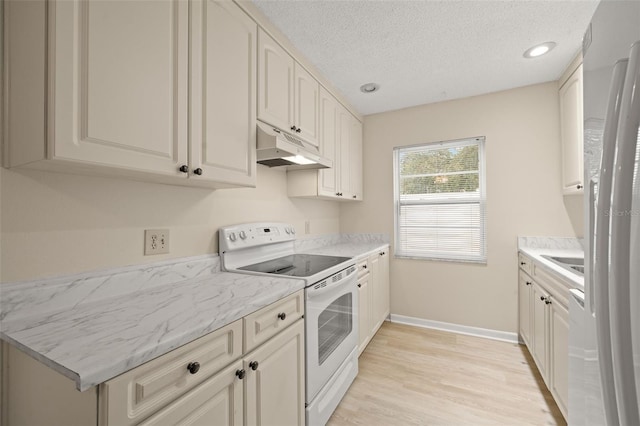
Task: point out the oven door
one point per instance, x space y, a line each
331 326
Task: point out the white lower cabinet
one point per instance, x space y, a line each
525 284
210 381
364 308
540 329
544 326
217 401
264 388
275 380
559 355
373 301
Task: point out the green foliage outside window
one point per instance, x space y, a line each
447 170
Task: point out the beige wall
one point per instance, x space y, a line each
523 198
54 224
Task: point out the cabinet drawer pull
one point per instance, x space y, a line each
241 374
541 297
364 266
579 186
528 282
184 169
282 316
359 285
193 367
547 302
198 171
254 365
523 263
298 130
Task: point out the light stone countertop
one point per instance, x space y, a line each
345 245
93 341
94 326
355 250
535 248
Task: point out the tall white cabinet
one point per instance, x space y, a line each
158 91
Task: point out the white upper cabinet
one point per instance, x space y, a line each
288 96
275 83
117 102
355 157
341 142
119 88
223 93
571 132
307 95
328 178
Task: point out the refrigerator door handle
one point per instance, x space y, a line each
591 258
619 273
598 256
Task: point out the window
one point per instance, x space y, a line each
439 194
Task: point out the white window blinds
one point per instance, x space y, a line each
440 201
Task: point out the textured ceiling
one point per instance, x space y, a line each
428 51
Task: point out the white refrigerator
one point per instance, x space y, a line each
607 390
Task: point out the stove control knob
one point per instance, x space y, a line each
293 230
287 230
243 235
232 236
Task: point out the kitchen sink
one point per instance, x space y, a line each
572 264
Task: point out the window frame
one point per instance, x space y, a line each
482 202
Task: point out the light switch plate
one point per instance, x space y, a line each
156 241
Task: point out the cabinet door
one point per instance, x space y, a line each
377 298
328 178
275 392
344 142
307 102
540 326
275 83
559 354
364 304
571 133
119 84
217 401
524 307
384 284
355 159
223 93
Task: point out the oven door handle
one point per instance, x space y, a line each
313 292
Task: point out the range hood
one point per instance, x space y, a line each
279 149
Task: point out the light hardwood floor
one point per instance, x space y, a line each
415 376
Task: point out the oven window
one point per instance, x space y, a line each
334 325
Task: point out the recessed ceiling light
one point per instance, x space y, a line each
539 50
369 88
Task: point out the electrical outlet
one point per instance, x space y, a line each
307 227
156 241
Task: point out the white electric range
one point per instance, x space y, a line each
331 300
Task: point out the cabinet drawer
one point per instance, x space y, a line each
136 394
269 321
363 267
525 263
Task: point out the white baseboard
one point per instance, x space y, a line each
502 336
